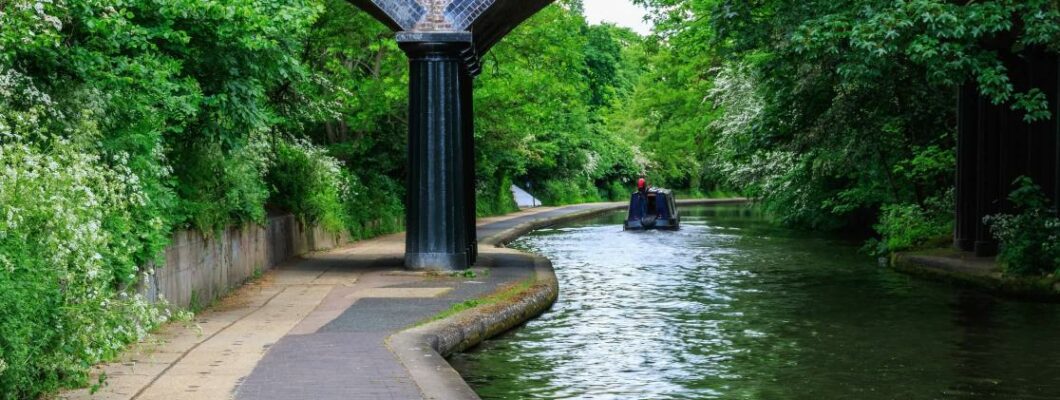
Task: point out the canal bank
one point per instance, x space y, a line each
318 327
983 273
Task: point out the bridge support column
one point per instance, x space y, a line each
995 146
989 194
467 105
967 217
436 201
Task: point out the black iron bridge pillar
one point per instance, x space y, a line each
444 40
440 156
467 104
995 146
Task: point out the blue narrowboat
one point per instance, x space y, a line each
653 208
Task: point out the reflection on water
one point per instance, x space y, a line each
732 307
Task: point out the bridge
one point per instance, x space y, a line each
445 40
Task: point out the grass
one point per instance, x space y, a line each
470 274
473 273
502 295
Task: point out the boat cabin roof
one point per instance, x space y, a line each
666 192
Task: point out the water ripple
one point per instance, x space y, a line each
732 307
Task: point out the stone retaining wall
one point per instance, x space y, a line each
199 268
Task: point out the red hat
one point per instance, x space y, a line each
641 183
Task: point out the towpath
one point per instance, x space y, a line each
316 328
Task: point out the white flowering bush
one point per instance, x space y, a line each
1030 239
63 262
309 183
312 184
120 122
224 186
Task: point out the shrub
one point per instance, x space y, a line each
619 191
221 186
374 205
316 187
557 192
494 196
68 251
911 226
308 182
1030 238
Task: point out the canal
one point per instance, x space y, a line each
733 307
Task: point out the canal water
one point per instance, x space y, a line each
732 307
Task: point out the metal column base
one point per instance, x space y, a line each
436 261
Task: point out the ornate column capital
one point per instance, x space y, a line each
434 20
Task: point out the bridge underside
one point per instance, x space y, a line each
996 146
444 40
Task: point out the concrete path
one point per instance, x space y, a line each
316 328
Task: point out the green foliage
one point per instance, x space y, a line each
240 54
831 111
862 40
196 78
354 105
70 246
309 183
494 196
568 191
539 110
374 205
618 191
223 187
603 60
84 203
467 274
822 153
1030 238
912 226
665 116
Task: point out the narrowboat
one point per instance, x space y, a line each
652 208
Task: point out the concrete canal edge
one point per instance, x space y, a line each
985 274
423 349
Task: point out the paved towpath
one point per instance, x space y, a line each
315 328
